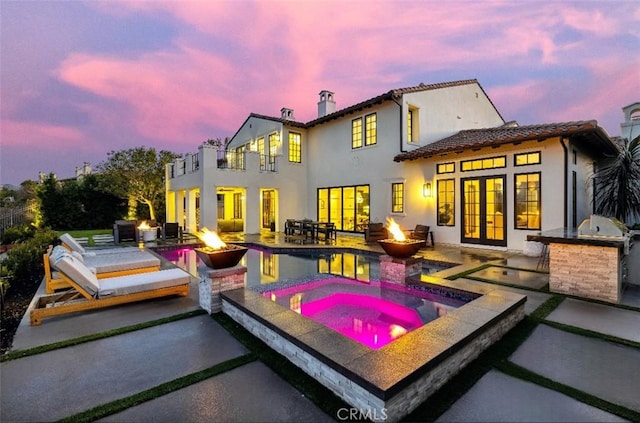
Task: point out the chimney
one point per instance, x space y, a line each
287 114
327 104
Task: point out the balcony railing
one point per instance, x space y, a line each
231 160
268 163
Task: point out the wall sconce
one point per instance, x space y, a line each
426 189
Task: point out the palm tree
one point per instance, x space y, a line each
618 184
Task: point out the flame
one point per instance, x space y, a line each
144 226
395 230
211 239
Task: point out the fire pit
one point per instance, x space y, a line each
223 258
401 249
217 254
399 246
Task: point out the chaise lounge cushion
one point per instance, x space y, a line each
79 273
106 263
130 284
121 285
72 243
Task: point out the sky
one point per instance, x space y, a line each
80 79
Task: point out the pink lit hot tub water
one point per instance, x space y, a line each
372 313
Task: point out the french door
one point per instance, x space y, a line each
268 208
484 210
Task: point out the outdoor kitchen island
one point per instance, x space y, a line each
587 264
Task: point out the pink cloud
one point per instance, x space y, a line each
38 135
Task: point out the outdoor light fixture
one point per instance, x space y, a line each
426 189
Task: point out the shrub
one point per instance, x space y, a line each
23 265
17 234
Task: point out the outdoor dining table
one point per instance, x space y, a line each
307 228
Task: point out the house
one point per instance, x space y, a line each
436 154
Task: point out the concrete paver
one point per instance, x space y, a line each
501 398
250 393
534 298
513 276
66 381
600 318
607 370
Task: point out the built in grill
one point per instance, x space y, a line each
605 227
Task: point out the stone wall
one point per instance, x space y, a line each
213 282
585 271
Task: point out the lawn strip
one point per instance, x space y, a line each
326 400
592 334
468 272
122 404
504 266
519 372
457 386
93 337
547 307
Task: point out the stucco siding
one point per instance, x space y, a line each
445 111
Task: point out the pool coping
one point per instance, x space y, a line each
387 371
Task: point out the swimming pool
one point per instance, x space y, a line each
269 266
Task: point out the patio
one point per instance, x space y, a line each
236 382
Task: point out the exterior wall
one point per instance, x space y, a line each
335 163
552 200
444 112
630 128
288 181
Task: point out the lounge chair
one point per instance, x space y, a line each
103 265
73 245
88 292
171 230
375 232
423 233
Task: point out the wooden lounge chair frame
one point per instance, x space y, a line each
52 284
77 299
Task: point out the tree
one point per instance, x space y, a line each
618 184
138 173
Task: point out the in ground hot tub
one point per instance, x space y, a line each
388 382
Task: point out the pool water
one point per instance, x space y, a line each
372 313
265 267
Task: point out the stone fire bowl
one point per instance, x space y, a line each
401 249
221 259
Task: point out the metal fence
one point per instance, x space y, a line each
15 216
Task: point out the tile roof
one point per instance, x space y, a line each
509 133
278 119
390 95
